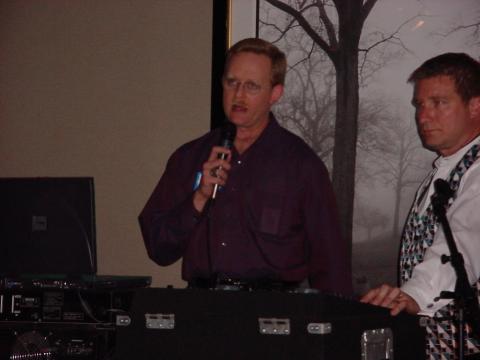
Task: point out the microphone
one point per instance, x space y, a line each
464 294
443 192
228 137
443 188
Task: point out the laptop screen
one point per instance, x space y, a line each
47 226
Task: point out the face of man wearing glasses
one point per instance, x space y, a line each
247 91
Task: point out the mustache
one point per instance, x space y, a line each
239 103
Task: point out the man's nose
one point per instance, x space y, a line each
240 90
423 114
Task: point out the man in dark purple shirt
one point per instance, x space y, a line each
274 217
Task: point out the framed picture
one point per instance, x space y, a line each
386 161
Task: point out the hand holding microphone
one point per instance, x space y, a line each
228 137
215 169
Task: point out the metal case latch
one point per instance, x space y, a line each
274 326
377 344
319 328
160 321
123 320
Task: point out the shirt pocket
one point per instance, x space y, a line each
273 202
266 206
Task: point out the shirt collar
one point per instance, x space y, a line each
271 127
452 160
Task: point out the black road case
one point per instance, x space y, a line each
224 324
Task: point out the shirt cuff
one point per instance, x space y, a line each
428 306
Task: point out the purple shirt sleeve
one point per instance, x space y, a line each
169 217
329 268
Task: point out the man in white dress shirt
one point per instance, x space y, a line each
447 112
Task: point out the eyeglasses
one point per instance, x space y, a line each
248 86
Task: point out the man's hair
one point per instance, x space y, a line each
463 69
261 47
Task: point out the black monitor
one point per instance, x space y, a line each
47 226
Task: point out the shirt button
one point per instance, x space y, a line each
224 244
429 306
239 162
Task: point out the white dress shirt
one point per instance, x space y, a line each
431 277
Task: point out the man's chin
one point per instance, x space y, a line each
239 119
430 145
430 148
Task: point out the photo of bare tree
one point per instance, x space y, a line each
347 97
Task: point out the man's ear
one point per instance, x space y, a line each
474 106
277 93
